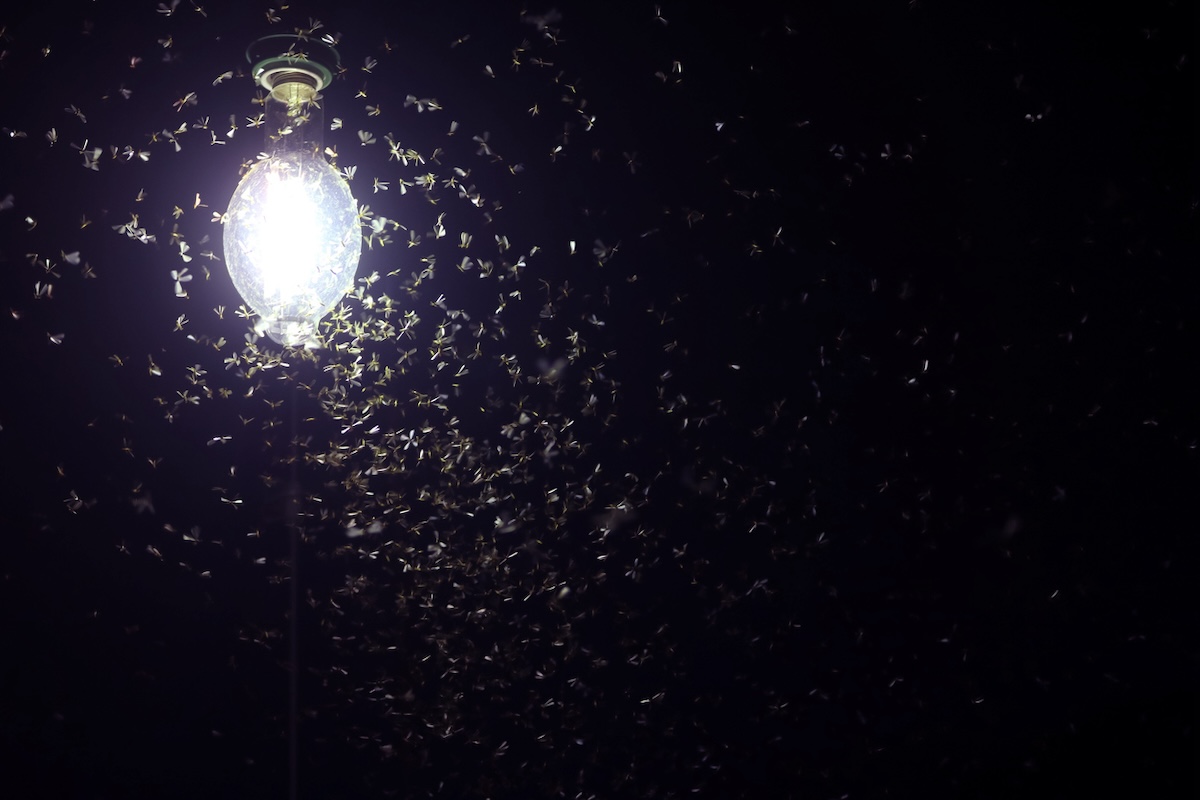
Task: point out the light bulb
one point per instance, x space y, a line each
292 242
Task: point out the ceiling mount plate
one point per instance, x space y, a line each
286 58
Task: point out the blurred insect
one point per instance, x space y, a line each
366 138
52 137
91 159
188 99
181 277
394 152
603 252
166 10
46 264
71 109
482 141
56 338
422 104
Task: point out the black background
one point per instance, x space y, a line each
878 477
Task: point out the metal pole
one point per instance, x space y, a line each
294 644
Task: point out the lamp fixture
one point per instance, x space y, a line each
292 236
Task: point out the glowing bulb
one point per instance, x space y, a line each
292 242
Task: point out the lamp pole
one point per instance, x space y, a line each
292 243
293 518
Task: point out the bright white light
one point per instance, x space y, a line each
292 242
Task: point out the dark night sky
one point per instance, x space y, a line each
850 454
